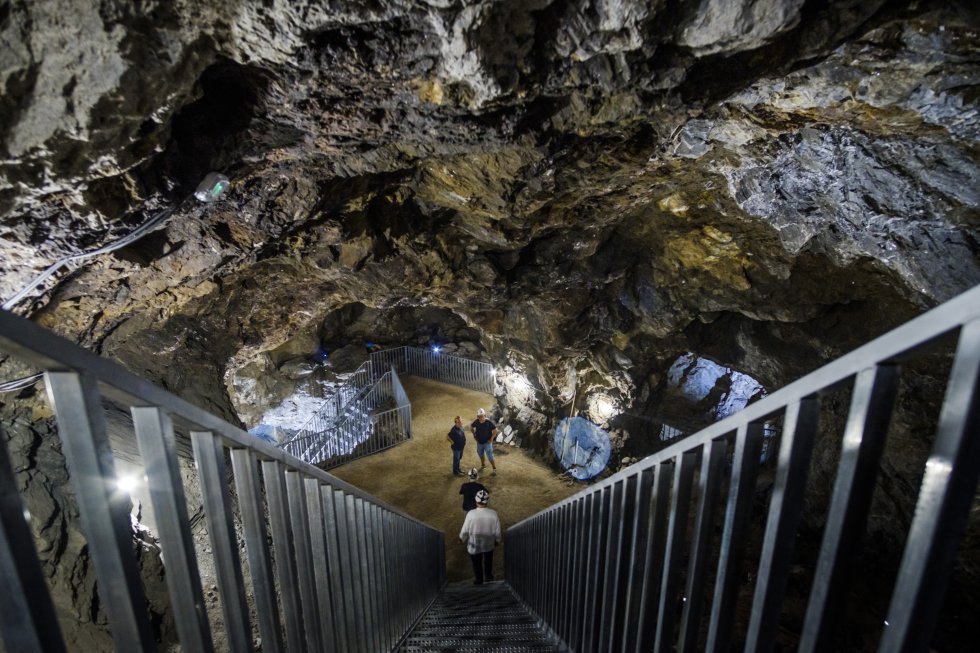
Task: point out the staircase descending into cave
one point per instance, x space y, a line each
351 423
696 547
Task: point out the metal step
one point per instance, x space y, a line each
477 619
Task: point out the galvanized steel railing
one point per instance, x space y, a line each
326 582
429 364
362 429
625 565
347 427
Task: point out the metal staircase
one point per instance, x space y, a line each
680 552
321 554
483 619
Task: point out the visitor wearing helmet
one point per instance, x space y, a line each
480 534
470 489
484 431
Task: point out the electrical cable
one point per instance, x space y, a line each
20 384
129 238
210 188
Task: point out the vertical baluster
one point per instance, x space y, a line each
569 594
654 557
346 552
371 576
745 465
712 462
586 516
104 511
627 554
210 459
304 559
943 506
597 550
785 510
676 533
256 547
642 517
27 615
318 551
282 542
387 636
337 572
864 440
355 560
613 547
155 436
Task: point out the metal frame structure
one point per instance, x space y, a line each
324 583
359 430
625 565
347 427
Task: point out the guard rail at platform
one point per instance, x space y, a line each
680 551
430 364
350 424
322 555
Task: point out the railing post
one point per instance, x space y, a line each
864 440
745 466
104 510
299 522
712 461
282 542
943 506
209 455
247 485
319 559
785 510
680 506
613 560
155 435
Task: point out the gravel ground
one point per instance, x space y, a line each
417 476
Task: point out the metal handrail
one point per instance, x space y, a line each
335 549
337 433
361 430
616 567
429 364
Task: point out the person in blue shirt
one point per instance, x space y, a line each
484 431
457 440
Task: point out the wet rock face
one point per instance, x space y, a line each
580 191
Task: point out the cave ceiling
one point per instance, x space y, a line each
591 188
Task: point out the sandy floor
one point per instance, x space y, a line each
417 476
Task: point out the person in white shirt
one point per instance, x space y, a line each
480 533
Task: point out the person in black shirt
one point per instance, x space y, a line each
484 431
469 490
457 440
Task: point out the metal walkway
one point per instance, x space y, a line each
484 619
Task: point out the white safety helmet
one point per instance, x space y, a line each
482 497
474 473
480 411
